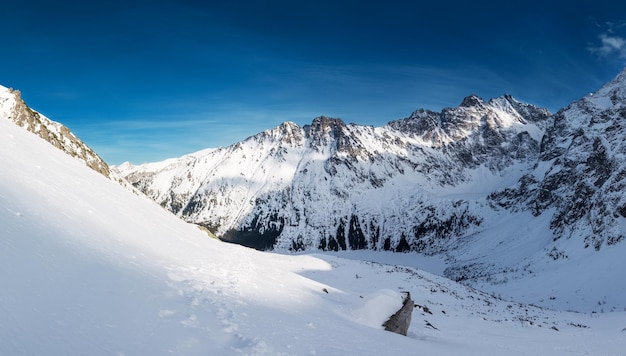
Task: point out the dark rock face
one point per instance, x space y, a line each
400 321
254 238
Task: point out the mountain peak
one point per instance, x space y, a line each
621 77
288 132
610 95
323 126
466 120
324 121
472 100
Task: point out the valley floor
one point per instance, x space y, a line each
453 319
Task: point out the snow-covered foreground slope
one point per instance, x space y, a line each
86 267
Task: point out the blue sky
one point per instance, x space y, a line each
149 80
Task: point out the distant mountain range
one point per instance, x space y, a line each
328 185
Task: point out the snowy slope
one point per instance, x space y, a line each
13 108
88 267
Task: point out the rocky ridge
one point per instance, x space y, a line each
13 108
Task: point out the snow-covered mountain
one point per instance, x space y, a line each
87 267
507 193
580 176
13 108
410 185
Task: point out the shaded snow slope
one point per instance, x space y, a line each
88 267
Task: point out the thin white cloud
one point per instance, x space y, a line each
610 44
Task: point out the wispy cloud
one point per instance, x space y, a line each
611 43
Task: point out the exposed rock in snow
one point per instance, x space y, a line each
13 108
400 321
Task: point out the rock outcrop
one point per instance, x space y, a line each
400 321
